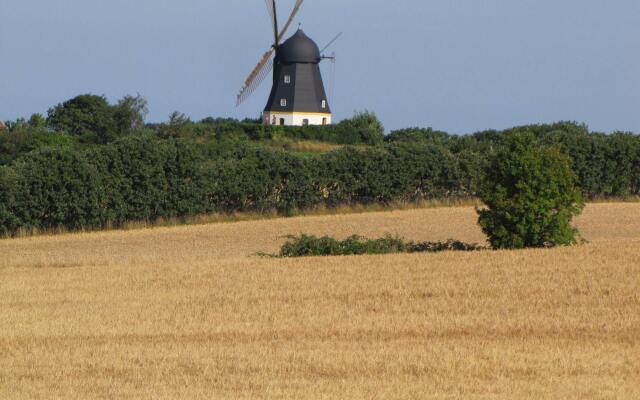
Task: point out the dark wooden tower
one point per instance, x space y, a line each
297 96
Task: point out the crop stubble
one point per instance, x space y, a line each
189 312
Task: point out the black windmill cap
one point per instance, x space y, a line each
299 48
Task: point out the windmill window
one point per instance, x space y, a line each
324 104
305 122
283 102
281 121
287 79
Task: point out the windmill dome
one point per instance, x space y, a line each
299 48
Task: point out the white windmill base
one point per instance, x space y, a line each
295 118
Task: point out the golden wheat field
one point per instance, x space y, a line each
191 313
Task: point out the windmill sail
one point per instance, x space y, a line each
260 72
331 42
256 76
296 8
271 10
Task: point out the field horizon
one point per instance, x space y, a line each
192 312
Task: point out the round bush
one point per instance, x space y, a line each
531 195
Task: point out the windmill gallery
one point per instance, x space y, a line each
298 96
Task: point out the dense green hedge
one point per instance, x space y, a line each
364 128
134 179
146 177
606 164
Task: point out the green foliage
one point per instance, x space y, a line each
137 178
130 113
86 116
308 246
179 126
92 119
363 129
531 195
92 164
418 135
258 179
37 121
24 138
57 188
9 223
388 174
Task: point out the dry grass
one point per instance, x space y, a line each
188 312
216 218
302 146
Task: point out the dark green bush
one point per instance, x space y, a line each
531 195
25 139
308 246
9 222
137 178
364 127
259 179
418 135
58 189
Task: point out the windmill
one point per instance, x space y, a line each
297 96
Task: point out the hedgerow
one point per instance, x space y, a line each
309 246
52 179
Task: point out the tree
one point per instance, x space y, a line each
531 195
130 113
37 121
179 125
364 127
94 120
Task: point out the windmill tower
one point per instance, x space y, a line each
297 96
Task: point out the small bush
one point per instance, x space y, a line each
309 246
531 195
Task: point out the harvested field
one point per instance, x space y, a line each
190 312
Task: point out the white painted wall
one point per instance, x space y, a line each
295 119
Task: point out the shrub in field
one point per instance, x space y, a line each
531 194
308 246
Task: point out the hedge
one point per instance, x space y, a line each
145 177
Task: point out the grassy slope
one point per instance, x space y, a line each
187 312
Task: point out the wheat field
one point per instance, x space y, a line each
191 313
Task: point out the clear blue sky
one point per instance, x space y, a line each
455 65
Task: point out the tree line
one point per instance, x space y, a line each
91 165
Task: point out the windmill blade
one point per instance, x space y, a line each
270 9
331 42
260 72
296 8
272 14
256 77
